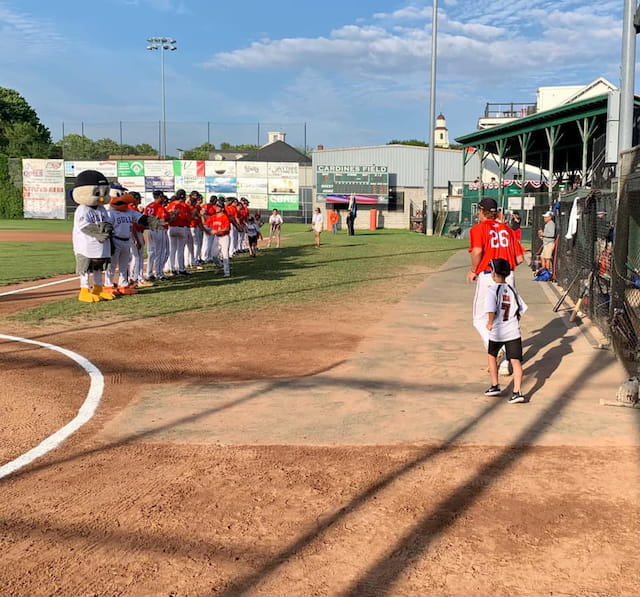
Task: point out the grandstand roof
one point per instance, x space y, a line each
568 147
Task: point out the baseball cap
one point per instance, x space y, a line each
500 267
181 193
488 204
91 178
547 214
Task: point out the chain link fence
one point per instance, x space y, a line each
77 139
597 264
625 266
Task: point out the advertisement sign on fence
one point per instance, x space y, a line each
265 184
43 189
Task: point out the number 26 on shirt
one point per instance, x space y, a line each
498 238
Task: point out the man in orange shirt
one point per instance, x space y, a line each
243 216
334 218
136 263
232 212
157 240
207 211
179 218
220 226
489 239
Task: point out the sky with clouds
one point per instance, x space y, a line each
337 72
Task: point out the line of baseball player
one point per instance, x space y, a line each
195 234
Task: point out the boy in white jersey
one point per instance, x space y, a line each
504 308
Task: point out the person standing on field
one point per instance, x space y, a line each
352 213
178 214
334 218
275 224
317 224
489 239
504 307
220 226
548 237
157 240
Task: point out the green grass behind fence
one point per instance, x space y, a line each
296 272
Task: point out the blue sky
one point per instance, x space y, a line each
355 71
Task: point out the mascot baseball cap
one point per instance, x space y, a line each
93 178
500 267
488 204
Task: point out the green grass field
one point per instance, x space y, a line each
23 261
297 272
37 225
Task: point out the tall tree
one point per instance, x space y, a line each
243 147
145 149
21 132
201 152
77 147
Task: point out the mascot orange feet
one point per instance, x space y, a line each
86 296
102 293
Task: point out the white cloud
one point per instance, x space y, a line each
21 32
178 7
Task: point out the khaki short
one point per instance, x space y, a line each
547 251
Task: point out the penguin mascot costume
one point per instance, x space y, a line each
92 231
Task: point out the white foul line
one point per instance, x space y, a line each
27 288
85 413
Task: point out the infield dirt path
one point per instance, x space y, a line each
359 458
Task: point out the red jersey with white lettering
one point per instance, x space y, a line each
181 211
243 214
157 210
195 216
219 224
497 241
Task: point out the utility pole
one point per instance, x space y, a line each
428 229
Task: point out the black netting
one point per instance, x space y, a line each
583 251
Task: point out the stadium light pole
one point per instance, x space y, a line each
428 227
162 44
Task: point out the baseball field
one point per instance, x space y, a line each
313 425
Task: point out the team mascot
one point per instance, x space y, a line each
91 234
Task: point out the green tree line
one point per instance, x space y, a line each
22 135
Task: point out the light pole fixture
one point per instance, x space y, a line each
162 44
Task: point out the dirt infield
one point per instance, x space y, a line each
117 511
35 237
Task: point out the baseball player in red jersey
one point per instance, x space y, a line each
207 211
136 263
489 239
179 217
157 240
232 211
220 226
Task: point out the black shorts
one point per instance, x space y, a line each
513 349
253 240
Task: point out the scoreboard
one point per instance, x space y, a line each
364 181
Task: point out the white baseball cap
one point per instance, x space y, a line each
548 214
